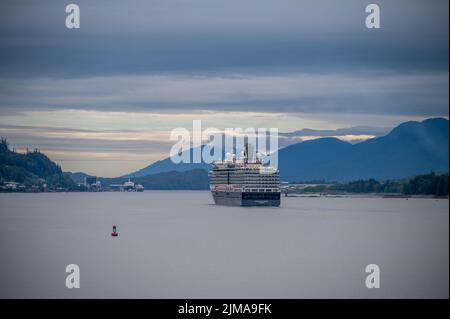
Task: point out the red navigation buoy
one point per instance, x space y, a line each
114 233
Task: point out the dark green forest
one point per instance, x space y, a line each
426 184
33 169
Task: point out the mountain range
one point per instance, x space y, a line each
412 148
409 149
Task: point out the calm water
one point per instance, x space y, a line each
179 245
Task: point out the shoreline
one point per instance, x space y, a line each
364 195
299 195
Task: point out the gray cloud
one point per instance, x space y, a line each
380 93
47 138
192 36
351 134
196 48
357 130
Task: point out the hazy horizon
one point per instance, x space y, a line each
285 139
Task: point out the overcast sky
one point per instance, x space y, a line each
103 98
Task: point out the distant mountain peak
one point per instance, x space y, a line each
409 149
415 127
327 141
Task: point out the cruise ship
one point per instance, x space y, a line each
244 182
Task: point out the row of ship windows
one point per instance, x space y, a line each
260 190
246 178
243 173
259 183
263 190
246 182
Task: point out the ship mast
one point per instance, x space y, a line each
246 153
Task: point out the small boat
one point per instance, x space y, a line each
114 233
